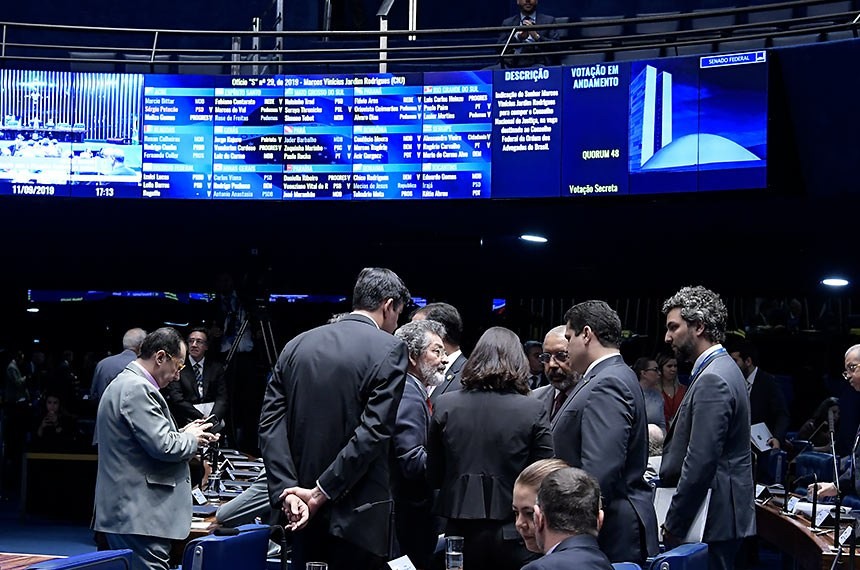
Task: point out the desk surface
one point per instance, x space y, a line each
791 535
16 561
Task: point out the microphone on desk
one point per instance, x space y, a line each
367 506
814 499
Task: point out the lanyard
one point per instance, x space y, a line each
706 362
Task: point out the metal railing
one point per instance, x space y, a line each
53 46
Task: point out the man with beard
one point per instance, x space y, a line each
562 378
707 446
413 497
449 317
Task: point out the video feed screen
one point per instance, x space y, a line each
646 127
70 134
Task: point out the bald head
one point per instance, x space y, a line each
853 351
554 334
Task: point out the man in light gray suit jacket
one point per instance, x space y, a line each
143 486
708 444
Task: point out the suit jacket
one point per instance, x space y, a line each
182 394
109 368
529 53
708 448
767 404
546 395
479 442
579 551
328 415
412 494
452 379
602 428
143 484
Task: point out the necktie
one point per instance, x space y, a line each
430 405
556 403
198 374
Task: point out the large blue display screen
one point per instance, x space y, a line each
666 125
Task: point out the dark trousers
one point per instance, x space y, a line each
721 555
315 544
488 545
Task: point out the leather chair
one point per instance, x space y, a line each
693 556
243 547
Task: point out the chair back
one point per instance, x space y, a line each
246 549
693 556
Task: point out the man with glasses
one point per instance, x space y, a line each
849 481
201 381
562 378
603 430
143 488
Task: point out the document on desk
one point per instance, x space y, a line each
760 435
662 501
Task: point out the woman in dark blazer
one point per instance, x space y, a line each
480 439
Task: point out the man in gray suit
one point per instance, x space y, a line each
602 429
108 368
143 486
708 444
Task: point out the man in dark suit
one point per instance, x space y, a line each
109 368
562 379
449 317
537 376
528 44
567 519
326 425
603 429
201 381
708 444
413 497
767 401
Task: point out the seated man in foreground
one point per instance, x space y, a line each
567 519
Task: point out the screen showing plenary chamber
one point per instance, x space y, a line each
643 127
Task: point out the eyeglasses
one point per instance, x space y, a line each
179 365
849 371
439 352
560 356
192 341
655 369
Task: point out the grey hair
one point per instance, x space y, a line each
555 331
700 305
133 338
414 334
854 348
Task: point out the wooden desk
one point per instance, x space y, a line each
791 535
15 561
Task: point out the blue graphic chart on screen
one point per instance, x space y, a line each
594 132
733 121
248 137
317 141
664 125
386 118
527 132
455 147
177 136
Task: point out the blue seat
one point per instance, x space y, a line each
626 566
245 549
814 462
103 560
692 556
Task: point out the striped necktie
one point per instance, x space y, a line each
198 374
